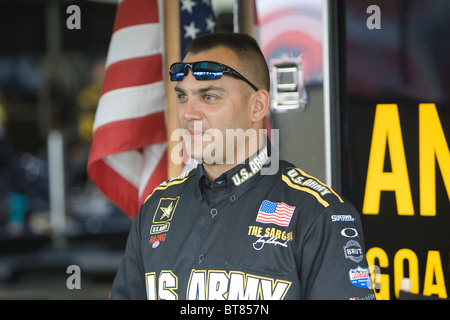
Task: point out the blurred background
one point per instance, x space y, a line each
50 84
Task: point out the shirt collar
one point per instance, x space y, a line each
240 178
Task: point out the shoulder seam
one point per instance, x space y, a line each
323 184
305 189
295 178
174 181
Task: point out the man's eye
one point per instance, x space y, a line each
182 97
209 98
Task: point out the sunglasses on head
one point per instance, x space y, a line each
204 70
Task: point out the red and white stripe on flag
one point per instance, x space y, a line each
128 155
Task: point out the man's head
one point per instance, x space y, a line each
222 105
254 65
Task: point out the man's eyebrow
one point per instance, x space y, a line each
178 89
200 90
209 88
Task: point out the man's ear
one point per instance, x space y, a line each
260 105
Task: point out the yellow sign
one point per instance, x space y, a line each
432 145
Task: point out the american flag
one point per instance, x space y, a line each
196 19
275 212
128 156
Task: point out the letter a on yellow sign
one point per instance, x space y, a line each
387 131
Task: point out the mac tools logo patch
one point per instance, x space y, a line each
359 277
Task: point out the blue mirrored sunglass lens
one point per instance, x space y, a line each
207 66
177 71
177 77
207 70
201 75
201 70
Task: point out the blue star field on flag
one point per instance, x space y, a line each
196 19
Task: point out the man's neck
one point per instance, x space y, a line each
213 171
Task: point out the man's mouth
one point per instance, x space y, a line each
196 134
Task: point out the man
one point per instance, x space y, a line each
228 229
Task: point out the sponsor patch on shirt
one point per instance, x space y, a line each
353 251
359 277
278 213
342 217
163 215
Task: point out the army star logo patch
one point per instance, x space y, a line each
166 208
163 214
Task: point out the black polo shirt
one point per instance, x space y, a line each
246 235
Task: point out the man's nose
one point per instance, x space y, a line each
190 110
190 106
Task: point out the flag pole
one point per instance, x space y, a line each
172 54
247 17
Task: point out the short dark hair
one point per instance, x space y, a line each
244 45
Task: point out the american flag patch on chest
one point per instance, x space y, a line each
278 213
